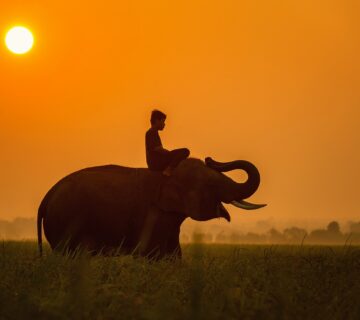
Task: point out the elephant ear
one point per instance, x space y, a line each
171 196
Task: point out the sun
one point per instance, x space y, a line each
19 40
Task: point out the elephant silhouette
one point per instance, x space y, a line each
111 208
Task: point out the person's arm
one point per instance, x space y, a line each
160 149
153 143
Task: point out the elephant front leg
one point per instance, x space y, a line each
165 249
160 235
171 248
177 252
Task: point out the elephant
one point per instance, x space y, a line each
112 208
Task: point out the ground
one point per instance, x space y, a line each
211 282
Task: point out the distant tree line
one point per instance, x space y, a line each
25 228
19 228
293 235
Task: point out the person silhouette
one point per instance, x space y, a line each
157 157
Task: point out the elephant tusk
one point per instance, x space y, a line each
247 205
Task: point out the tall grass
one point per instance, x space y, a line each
210 282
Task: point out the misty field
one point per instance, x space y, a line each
211 282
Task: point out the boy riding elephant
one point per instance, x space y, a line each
157 157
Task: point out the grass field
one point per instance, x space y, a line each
211 282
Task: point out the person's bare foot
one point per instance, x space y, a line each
167 171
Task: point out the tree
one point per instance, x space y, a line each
333 227
275 236
294 234
354 227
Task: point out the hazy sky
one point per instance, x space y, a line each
273 82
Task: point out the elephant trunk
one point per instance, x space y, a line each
238 191
249 187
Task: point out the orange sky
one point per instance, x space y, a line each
273 82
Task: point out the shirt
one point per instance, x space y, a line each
152 141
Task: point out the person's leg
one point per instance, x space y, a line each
161 161
177 155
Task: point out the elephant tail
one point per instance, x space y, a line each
39 227
40 217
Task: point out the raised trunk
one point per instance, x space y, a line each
234 190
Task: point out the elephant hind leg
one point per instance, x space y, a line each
76 245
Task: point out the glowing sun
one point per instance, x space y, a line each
19 40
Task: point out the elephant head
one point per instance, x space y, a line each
198 189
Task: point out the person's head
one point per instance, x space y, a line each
158 119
